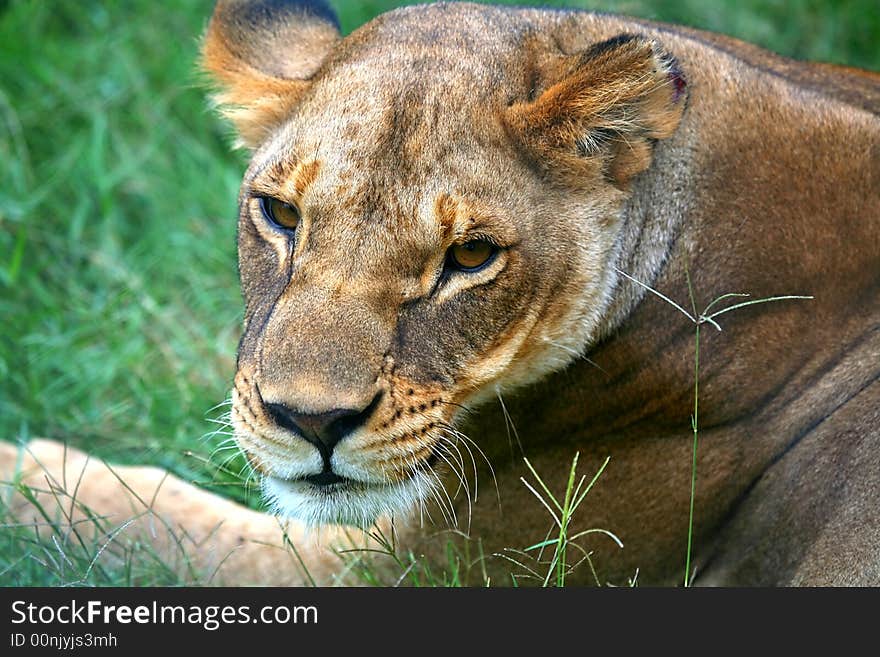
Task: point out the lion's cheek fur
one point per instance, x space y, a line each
560 322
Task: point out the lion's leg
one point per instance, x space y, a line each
191 529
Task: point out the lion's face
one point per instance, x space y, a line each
404 253
428 267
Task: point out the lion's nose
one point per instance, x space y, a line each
323 430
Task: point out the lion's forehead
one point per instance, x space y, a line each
397 137
377 170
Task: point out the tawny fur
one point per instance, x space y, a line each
670 154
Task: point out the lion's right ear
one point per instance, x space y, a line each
602 109
261 55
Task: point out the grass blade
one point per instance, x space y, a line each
755 301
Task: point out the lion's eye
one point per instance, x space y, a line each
283 215
472 256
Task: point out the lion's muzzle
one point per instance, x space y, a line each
323 430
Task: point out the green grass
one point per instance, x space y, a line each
119 307
60 551
550 561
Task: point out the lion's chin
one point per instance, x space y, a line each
345 503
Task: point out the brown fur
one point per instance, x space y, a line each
670 155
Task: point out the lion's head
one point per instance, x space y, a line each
431 214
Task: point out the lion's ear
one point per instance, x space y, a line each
601 108
261 54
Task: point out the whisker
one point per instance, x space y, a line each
508 424
217 420
468 439
440 503
466 409
463 482
448 445
457 475
452 441
576 354
225 402
452 518
218 450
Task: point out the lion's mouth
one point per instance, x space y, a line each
328 485
325 479
329 479
323 482
328 498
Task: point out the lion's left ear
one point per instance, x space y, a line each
601 108
262 53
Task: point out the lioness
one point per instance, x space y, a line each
447 236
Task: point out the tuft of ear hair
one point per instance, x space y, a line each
261 55
602 109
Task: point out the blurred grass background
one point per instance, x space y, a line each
119 306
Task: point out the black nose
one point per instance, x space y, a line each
323 430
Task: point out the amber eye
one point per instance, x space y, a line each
472 256
283 215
